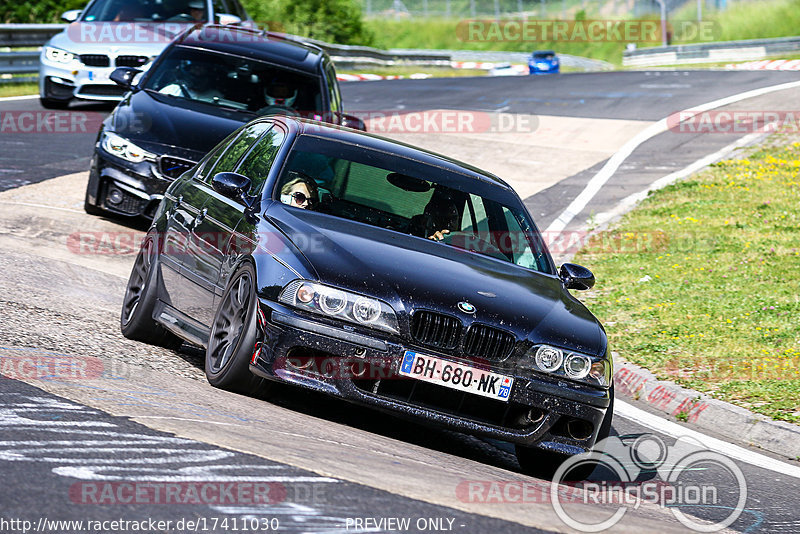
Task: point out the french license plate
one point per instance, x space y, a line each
456 376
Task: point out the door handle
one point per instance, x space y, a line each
200 217
175 206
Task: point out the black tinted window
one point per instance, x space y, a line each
228 158
258 162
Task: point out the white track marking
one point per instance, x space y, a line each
24 97
628 202
612 165
627 411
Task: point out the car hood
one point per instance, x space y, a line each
412 273
163 124
117 38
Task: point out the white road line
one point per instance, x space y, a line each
24 97
612 165
32 205
623 409
626 203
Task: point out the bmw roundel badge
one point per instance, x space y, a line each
466 307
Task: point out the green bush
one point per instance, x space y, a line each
39 11
334 21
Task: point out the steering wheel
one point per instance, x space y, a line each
182 17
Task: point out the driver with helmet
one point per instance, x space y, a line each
279 97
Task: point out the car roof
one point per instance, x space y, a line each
382 144
256 44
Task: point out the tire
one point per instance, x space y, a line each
50 103
234 335
136 319
543 464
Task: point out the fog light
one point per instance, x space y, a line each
549 358
577 366
115 196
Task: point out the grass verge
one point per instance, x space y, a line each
18 89
699 283
746 20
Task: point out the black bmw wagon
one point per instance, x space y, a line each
381 273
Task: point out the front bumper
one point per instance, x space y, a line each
75 80
361 366
125 188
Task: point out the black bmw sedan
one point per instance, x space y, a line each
206 84
381 273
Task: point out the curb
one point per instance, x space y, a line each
373 77
776 64
639 386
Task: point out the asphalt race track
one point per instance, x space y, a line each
143 418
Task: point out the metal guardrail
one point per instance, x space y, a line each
20 35
15 62
748 50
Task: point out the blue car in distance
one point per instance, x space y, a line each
543 62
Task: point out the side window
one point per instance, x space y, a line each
238 10
208 162
258 162
333 89
518 244
474 219
221 7
228 159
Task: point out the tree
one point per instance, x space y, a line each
334 21
37 10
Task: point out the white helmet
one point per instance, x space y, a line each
280 94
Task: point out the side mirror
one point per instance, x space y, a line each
352 122
227 18
124 76
576 276
233 186
71 15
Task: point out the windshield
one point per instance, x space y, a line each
234 82
146 11
385 191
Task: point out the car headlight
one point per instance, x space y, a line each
122 148
58 55
569 364
339 304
